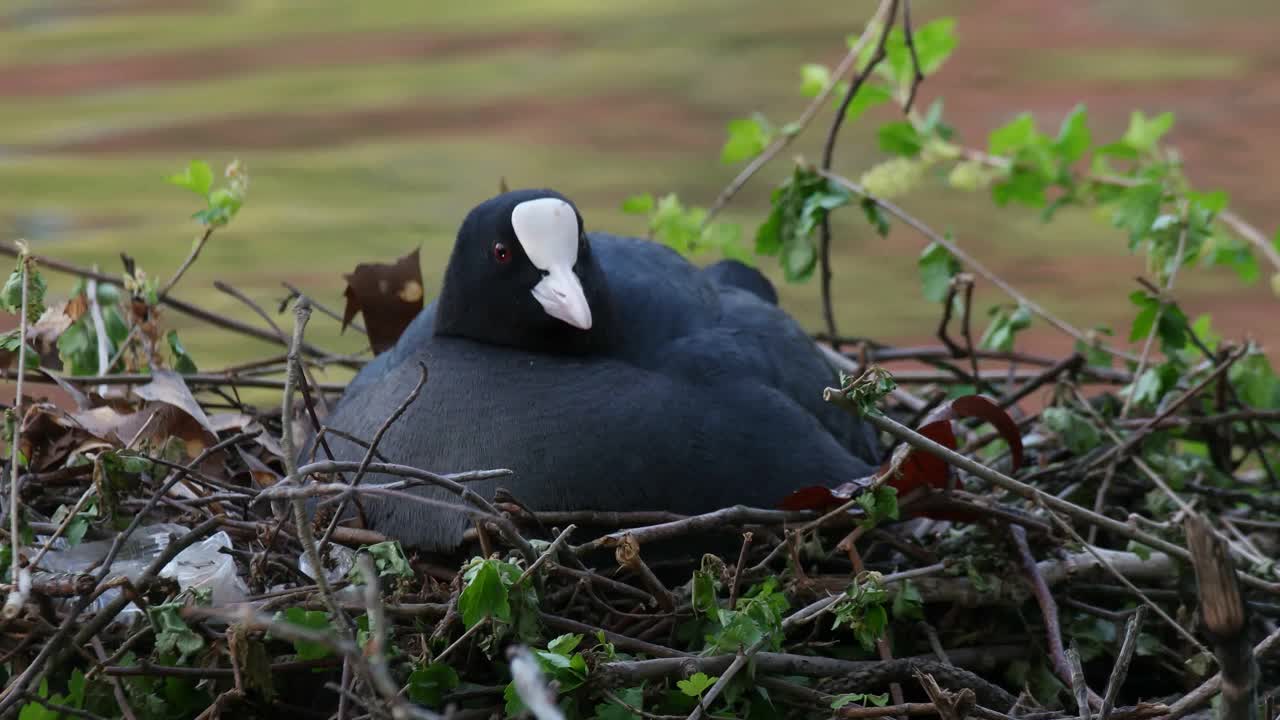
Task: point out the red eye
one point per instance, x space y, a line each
501 253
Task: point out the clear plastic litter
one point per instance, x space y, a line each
199 568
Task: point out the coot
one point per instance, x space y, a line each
609 373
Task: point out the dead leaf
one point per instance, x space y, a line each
263 475
110 424
388 297
169 388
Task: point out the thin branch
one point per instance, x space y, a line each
785 139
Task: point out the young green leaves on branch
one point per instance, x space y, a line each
222 203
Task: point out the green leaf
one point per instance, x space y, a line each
879 700
171 633
1005 324
633 697
900 138
934 43
389 559
428 685
1022 185
1137 210
182 362
908 603
312 620
1144 133
697 684
880 504
197 177
937 266
869 95
813 78
704 593
564 644
1077 433
798 207
484 596
638 204
1074 136
1013 136
748 137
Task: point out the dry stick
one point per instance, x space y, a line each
1066 527
1223 612
66 523
920 442
968 260
182 307
784 139
376 649
373 448
828 153
1059 658
117 687
280 490
1203 694
1076 677
20 576
194 380
739 568
295 292
1121 669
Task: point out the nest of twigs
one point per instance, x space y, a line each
1066 562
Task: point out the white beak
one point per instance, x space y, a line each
560 294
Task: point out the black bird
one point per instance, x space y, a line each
608 373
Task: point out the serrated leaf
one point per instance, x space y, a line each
1073 136
171 632
697 684
564 644
1137 210
1144 133
196 177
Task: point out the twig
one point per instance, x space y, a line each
20 576
1058 657
194 380
1076 677
1121 669
828 152
186 264
1223 611
739 568
784 139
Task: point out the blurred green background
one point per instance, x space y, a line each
371 128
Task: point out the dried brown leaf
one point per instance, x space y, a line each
388 296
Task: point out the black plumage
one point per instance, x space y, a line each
690 390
